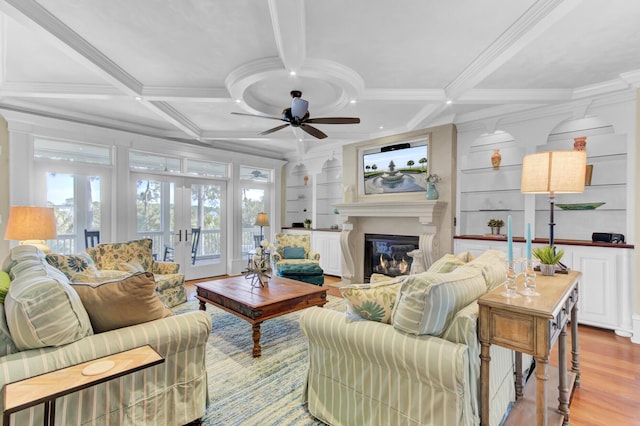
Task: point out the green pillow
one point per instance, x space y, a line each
294 252
5 280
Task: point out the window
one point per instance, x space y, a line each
207 168
151 162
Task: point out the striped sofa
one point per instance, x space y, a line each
60 335
425 373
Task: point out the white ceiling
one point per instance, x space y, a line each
178 68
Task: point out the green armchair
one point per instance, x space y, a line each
290 249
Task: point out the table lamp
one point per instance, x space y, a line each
262 220
31 226
553 172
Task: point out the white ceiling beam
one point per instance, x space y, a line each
61 91
538 18
289 29
499 96
191 94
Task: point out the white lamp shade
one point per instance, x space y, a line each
554 172
31 223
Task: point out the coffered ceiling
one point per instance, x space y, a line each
178 68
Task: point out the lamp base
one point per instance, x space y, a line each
40 244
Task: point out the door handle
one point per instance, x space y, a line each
179 234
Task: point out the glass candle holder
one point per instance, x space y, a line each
510 286
529 279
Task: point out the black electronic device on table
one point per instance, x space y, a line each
607 237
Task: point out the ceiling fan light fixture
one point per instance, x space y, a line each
299 107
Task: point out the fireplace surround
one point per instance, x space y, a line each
415 218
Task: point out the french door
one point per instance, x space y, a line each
171 210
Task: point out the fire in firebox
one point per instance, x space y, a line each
387 254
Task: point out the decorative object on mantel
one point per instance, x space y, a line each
307 223
258 269
548 259
432 191
580 206
495 225
496 158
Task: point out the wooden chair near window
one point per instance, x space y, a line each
91 238
195 241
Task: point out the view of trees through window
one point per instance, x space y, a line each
76 203
156 204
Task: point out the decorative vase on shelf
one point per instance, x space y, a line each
496 158
432 192
580 143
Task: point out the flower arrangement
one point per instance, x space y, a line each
257 271
433 178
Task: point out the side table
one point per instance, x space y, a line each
45 388
532 325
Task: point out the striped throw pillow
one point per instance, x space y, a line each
427 302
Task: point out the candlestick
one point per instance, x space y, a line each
509 240
528 241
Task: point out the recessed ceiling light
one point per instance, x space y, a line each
138 98
449 101
353 101
238 101
381 127
292 73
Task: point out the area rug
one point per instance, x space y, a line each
256 391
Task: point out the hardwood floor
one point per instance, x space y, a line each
609 393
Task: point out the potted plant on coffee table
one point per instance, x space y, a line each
495 225
548 257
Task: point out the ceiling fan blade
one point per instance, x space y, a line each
313 131
256 115
334 120
275 129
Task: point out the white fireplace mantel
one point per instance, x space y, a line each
427 213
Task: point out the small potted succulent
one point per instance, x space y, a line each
495 225
307 223
548 257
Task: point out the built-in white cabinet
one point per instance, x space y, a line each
605 286
327 244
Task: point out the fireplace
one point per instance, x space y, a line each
387 254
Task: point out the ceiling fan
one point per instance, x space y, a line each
298 116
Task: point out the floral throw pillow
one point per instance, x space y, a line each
373 301
72 264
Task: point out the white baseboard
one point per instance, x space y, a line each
635 338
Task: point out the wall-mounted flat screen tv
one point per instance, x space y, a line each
401 167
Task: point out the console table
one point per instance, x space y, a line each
532 325
45 388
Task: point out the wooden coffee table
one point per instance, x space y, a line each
255 305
